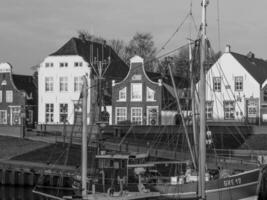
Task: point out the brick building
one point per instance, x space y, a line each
18 98
144 98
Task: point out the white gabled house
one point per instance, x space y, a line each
60 79
236 88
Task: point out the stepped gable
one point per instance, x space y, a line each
256 67
117 69
24 83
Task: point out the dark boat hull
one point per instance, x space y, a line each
234 187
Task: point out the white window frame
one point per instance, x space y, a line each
123 94
78 83
133 85
239 83
209 109
149 92
229 110
49 84
49 114
133 118
63 112
63 84
1 96
252 105
124 118
9 96
5 117
217 84
148 114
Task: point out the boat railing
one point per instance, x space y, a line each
236 153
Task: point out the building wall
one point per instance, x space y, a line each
136 74
57 97
227 67
6 83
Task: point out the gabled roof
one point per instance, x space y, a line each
24 83
89 50
256 67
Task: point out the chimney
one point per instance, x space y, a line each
250 55
227 48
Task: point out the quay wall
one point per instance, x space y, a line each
12 131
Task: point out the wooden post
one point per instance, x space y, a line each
84 138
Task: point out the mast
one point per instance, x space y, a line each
84 137
202 92
192 90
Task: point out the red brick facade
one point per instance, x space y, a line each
136 99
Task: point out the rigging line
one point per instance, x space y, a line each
172 51
175 32
242 136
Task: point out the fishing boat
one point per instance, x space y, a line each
197 182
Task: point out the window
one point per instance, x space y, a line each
265 94
217 84
63 64
122 94
9 96
150 94
152 115
49 64
3 117
229 109
136 115
78 64
49 84
1 96
63 112
136 93
63 84
78 82
238 83
121 114
209 109
15 115
49 113
252 108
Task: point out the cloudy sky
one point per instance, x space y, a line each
32 29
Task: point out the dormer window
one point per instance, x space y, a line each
238 83
150 94
136 92
122 94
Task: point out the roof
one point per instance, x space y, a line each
24 83
256 67
91 49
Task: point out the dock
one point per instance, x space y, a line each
19 173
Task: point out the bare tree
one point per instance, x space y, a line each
142 44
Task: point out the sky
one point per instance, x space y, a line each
30 30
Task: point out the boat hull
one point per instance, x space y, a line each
233 187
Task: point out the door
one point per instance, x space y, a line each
152 115
15 115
